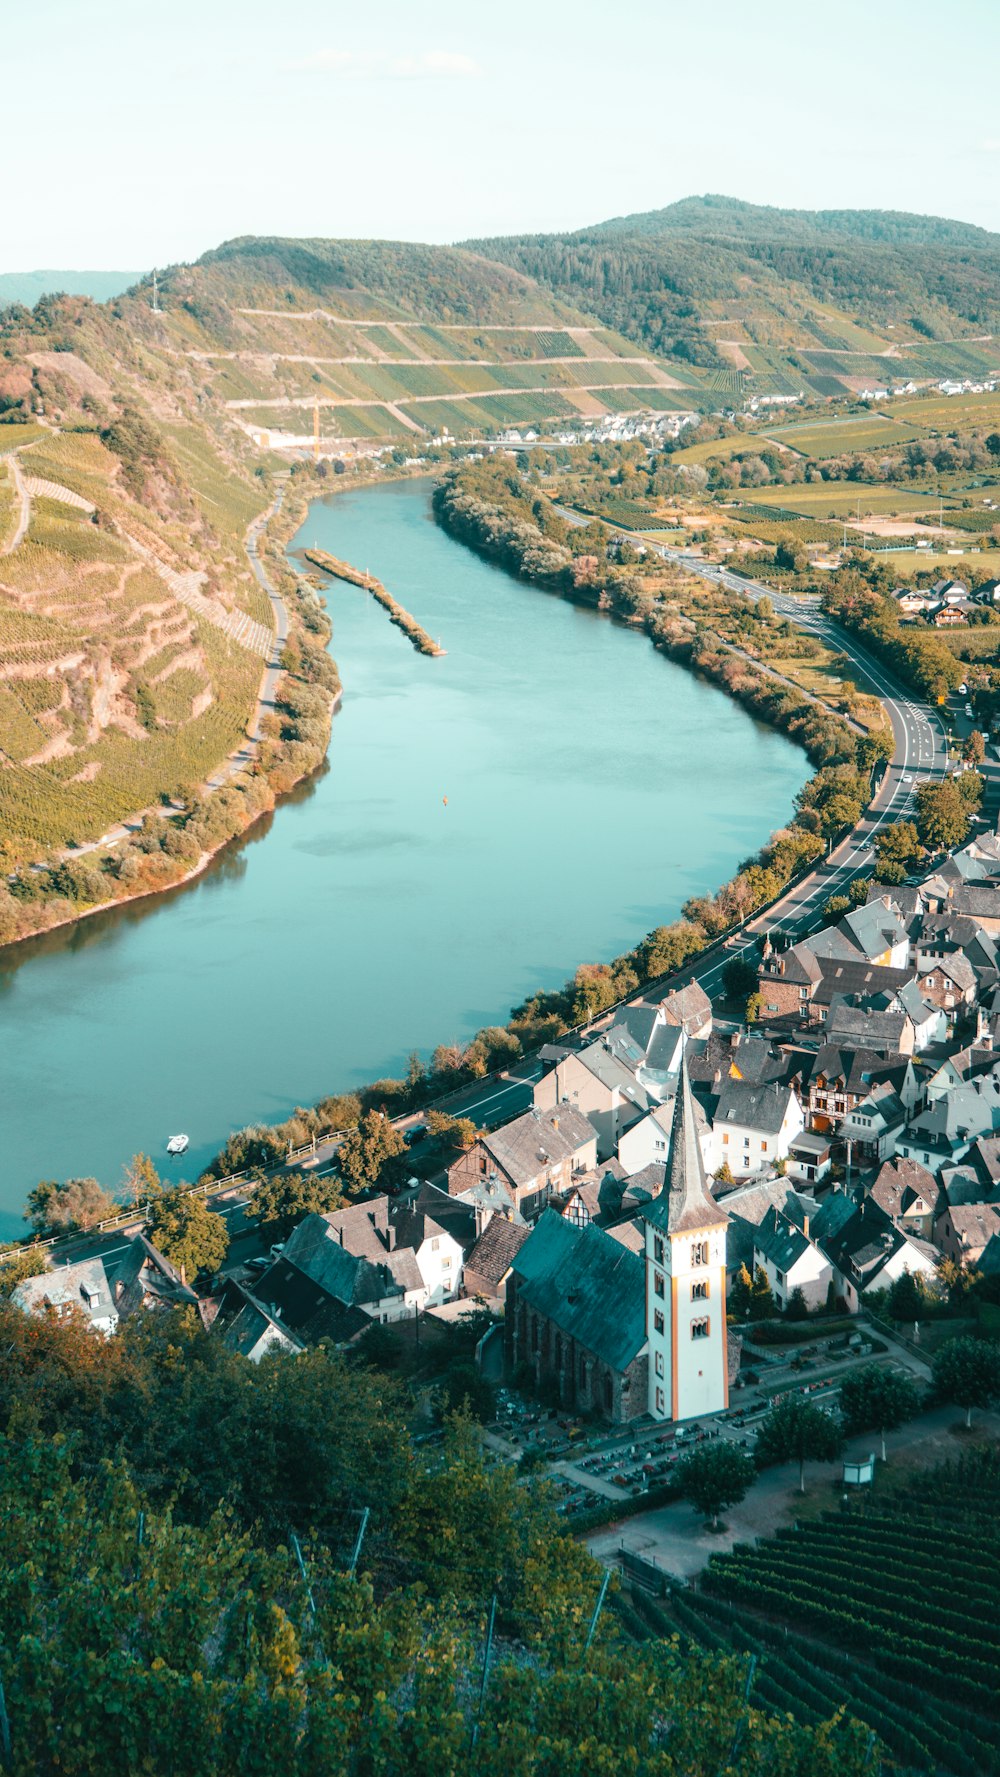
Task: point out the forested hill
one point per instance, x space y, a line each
710 269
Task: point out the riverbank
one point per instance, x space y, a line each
162 849
372 918
404 619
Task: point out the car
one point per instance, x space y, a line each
415 1134
277 1249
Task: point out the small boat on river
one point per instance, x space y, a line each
178 1144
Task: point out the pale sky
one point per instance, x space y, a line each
142 132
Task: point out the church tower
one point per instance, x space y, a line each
686 1280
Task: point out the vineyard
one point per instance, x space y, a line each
889 1609
776 526
833 438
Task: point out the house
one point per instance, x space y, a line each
988 593
142 1278
912 601
928 1022
843 1078
866 1249
647 1143
247 1328
943 1133
874 1126
790 1260
809 1158
752 1126
908 1194
489 1262
593 1196
690 1008
576 1315
963 1231
601 1081
857 1024
949 984
79 1290
746 1206
536 1155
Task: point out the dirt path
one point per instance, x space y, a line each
24 498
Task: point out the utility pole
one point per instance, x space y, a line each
156 305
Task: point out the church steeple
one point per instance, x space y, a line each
685 1202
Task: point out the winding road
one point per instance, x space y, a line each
920 754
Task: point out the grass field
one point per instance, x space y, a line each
11 437
841 499
834 438
948 412
980 565
745 444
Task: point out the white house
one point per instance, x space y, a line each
685 1265
790 1260
78 1289
753 1126
647 1143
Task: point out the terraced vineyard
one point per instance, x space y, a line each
889 1610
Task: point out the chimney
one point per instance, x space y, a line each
805 1226
555 1122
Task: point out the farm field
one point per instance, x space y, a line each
949 411
889 1610
831 438
839 499
977 565
745 444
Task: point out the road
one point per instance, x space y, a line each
239 760
920 753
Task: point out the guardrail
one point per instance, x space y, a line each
139 1211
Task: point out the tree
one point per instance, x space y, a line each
714 1476
369 1155
754 1007
741 1293
974 750
967 1371
907 1298
993 444
17 1267
278 1206
188 1233
798 1308
875 1399
739 977
140 1180
942 819
898 843
796 1430
836 907
762 1303
970 787
76 1203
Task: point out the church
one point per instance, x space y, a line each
685 1254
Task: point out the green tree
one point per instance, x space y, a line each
188 1233
741 1294
908 1298
942 819
75 1203
798 1308
18 1266
754 1007
971 785
876 1399
836 907
796 1430
967 1371
279 1205
739 977
713 1476
898 843
762 1303
370 1155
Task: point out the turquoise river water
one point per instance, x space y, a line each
540 797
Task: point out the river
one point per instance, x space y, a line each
541 796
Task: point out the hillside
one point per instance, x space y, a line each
28 286
790 298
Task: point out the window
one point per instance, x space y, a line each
725 1139
699 1252
699 1292
657 1249
658 1283
699 1329
763 1147
659 1146
658 1322
660 1408
658 1363
446 1264
435 1243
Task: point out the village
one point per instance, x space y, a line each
682 1181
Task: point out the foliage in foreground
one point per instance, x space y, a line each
156 1615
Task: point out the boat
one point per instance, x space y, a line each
178 1144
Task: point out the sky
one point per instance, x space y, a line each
141 134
